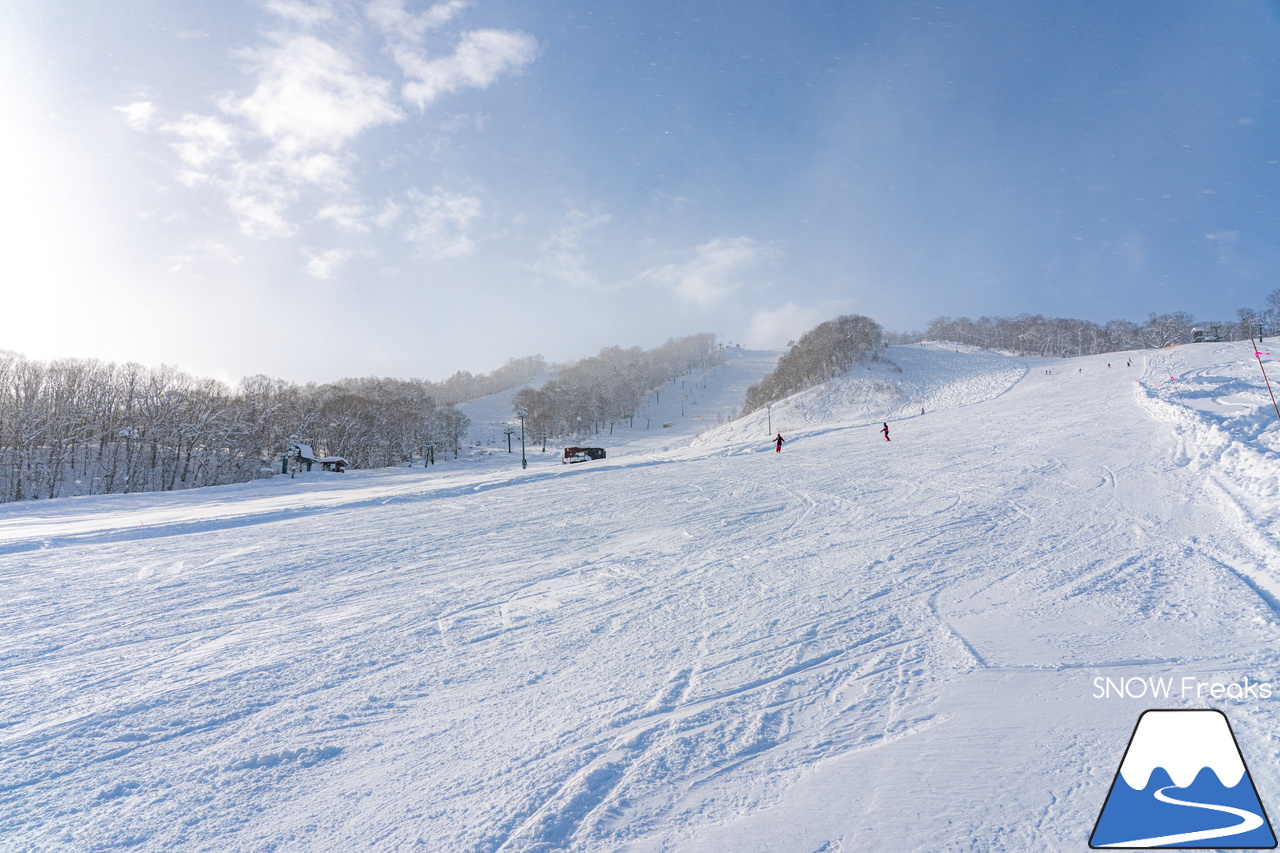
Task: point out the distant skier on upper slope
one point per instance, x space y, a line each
778 442
885 431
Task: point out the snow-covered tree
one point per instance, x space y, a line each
822 353
590 395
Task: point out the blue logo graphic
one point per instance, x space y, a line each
1183 783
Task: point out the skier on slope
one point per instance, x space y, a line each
885 431
778 442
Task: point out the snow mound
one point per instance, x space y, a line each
906 381
1224 418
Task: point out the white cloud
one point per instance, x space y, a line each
309 102
325 264
351 218
289 140
203 252
138 115
324 170
310 95
773 328
202 141
301 13
563 257
442 222
392 18
261 209
714 270
481 57
389 215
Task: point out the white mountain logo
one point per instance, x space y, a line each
1183 783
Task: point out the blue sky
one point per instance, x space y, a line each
323 189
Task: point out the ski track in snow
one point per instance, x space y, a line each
694 645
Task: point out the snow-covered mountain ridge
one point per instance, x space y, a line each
697 644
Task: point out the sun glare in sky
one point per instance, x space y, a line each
323 189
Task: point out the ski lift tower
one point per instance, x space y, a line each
524 413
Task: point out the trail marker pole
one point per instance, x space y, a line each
1258 356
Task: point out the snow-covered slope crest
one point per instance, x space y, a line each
941 375
908 381
1183 743
667 416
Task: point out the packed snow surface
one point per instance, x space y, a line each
934 643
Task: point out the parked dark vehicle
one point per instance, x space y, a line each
582 454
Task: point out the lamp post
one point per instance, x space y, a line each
524 413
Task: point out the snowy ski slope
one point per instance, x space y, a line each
695 645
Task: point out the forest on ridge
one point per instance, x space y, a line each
82 426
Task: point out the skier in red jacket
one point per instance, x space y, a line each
885 431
